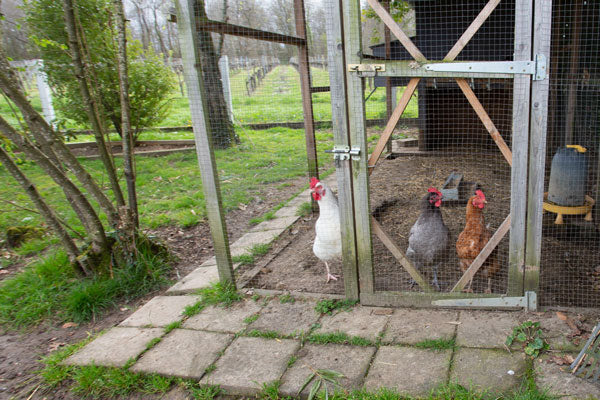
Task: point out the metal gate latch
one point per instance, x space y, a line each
366 70
341 153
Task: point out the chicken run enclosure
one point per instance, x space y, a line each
507 137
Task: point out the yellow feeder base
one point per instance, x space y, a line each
564 210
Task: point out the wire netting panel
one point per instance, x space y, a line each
570 261
450 149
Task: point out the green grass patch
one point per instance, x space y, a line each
286 298
328 306
243 259
305 209
172 325
259 250
270 391
201 392
250 319
265 334
222 294
266 217
436 344
338 338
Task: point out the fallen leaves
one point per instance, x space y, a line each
68 325
561 359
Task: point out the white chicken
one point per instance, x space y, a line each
328 238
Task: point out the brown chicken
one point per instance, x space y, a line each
474 238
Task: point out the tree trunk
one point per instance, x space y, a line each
49 142
46 212
87 214
221 128
161 42
127 137
91 105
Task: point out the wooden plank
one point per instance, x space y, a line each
415 299
397 31
410 69
471 30
391 124
250 33
351 12
485 118
483 255
537 147
339 116
399 255
305 85
520 147
575 47
389 107
192 68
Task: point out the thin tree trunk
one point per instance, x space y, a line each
161 42
46 212
90 103
128 158
49 142
87 214
222 36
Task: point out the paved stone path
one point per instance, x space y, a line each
261 340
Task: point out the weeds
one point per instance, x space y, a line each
436 344
338 338
529 334
304 210
223 294
286 298
250 319
321 377
329 306
172 325
265 334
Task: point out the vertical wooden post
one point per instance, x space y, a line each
45 93
192 68
224 70
339 114
537 147
520 141
388 81
357 125
304 68
573 72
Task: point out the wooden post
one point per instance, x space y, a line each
224 70
388 81
573 74
537 148
45 93
520 141
357 126
304 68
192 67
339 114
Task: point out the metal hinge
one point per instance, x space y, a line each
366 70
537 67
341 153
528 302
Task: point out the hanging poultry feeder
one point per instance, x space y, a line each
566 189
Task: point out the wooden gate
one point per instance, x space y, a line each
529 75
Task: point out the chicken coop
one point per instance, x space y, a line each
488 200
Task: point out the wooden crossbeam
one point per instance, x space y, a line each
391 124
243 31
399 255
397 31
485 118
471 30
483 255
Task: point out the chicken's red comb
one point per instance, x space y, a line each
434 190
480 194
313 182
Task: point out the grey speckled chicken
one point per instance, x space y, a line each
429 237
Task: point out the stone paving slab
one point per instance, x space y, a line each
351 361
115 347
160 311
485 369
244 244
559 381
249 362
276 223
410 371
413 326
287 318
199 278
359 321
183 353
220 319
485 329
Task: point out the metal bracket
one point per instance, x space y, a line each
341 153
366 70
537 67
528 302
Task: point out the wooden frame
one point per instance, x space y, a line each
518 161
192 68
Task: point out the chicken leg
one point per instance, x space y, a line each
330 276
